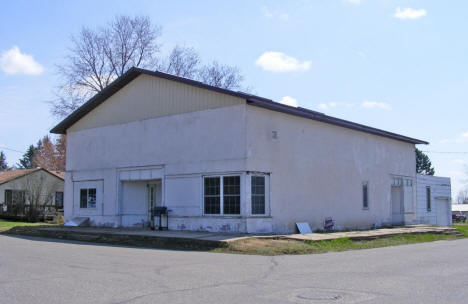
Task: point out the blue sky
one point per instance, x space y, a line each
396 65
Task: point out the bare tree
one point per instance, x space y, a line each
222 76
462 197
97 57
185 62
182 61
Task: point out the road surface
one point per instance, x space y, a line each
34 270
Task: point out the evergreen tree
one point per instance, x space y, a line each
423 163
3 163
27 162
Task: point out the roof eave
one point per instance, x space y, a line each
278 107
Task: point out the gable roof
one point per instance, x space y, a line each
253 100
8 176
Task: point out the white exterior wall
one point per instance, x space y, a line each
440 213
151 130
53 183
185 147
317 171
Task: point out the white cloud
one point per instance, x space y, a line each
462 138
376 105
14 62
409 13
356 2
274 14
279 62
333 104
288 100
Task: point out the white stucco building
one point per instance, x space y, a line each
229 161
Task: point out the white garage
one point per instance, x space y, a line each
433 200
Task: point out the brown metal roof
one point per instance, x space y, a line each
253 100
7 176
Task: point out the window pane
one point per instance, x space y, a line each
365 199
212 195
212 205
59 199
92 198
83 198
428 198
211 186
258 195
231 195
8 197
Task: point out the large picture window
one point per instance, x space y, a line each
88 198
258 194
222 195
15 197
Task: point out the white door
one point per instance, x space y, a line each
442 212
397 205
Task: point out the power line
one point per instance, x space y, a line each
446 152
10 149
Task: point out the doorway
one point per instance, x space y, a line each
154 197
443 212
397 205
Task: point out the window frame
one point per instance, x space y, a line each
264 194
12 196
221 194
56 206
365 199
87 198
428 199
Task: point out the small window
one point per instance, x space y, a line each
87 198
365 196
428 198
258 194
59 200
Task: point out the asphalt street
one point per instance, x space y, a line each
34 270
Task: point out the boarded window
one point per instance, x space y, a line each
258 194
365 196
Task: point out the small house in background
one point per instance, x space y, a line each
40 188
433 195
460 209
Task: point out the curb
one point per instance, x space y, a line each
130 240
